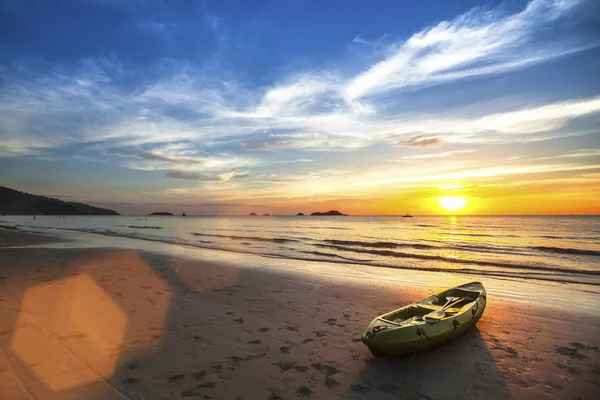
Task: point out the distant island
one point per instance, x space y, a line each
299 215
161 213
266 215
330 212
15 202
252 214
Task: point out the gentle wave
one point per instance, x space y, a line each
12 228
255 238
566 250
480 248
398 254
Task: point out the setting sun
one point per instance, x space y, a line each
453 203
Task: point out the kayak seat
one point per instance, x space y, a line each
406 315
440 299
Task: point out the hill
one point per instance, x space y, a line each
330 212
14 202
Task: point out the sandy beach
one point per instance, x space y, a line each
117 324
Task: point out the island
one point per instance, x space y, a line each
15 202
252 214
299 215
161 213
330 212
266 215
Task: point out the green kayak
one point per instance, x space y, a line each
406 330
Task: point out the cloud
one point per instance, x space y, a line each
191 175
478 42
421 141
269 141
224 177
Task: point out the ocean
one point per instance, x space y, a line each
562 249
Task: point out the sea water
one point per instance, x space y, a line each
543 248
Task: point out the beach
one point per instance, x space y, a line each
109 323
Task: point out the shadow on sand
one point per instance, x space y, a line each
463 369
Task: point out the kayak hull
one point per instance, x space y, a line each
403 331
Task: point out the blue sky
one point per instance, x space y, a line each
223 107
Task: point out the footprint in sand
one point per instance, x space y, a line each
333 322
255 341
131 380
189 393
330 382
207 384
133 365
325 368
264 329
239 320
358 388
198 375
285 365
175 378
285 349
304 391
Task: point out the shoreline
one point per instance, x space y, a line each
170 326
566 295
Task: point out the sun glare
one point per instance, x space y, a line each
453 203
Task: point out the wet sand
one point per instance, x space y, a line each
106 323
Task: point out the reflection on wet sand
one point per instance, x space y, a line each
103 324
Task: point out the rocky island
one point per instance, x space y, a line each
161 213
299 215
330 212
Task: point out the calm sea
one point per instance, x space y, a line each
549 248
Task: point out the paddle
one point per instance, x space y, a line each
435 316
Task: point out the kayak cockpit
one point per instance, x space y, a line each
406 315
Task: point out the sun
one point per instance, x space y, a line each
452 203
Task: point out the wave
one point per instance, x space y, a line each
320 253
380 245
398 254
145 227
420 246
566 250
326 227
549 274
12 228
255 238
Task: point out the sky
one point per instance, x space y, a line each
280 107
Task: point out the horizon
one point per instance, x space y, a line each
228 108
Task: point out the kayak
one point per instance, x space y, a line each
412 329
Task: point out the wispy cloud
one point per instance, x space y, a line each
421 141
480 42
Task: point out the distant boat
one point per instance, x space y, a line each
407 215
